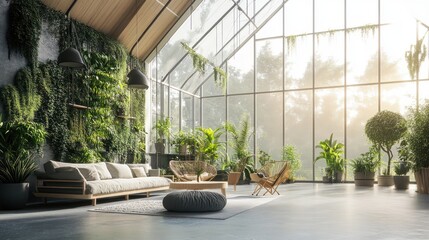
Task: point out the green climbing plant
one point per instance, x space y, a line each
200 65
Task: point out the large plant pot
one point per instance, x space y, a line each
233 178
160 147
364 179
385 180
183 149
13 195
422 180
401 182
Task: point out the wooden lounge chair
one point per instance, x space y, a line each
270 184
269 170
187 170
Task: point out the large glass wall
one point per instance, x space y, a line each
312 69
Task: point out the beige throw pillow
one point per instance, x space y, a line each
90 173
138 172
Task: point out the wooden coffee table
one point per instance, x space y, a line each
200 185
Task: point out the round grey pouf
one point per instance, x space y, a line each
194 201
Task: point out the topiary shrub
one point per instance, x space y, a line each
384 130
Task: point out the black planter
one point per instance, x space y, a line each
13 195
221 175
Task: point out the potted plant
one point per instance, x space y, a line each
402 167
162 127
418 142
384 130
293 158
182 141
19 142
364 167
332 153
240 145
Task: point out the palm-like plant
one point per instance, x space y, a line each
207 144
240 142
332 152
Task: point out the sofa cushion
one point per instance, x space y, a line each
146 166
138 172
102 170
119 170
90 173
65 173
120 184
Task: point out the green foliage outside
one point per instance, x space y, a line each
293 158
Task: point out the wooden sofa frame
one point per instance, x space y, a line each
80 186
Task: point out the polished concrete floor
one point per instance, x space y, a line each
303 211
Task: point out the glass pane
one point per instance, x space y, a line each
269 63
329 118
329 15
362 57
329 60
269 122
299 62
358 8
174 112
398 97
394 66
210 88
241 70
273 28
298 11
197 112
213 112
238 108
423 92
187 115
361 106
299 129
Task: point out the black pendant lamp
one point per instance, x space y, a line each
71 58
137 79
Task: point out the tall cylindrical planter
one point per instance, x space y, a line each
422 180
13 195
364 179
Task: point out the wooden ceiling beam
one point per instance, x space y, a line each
150 25
126 19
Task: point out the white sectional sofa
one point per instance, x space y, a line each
97 180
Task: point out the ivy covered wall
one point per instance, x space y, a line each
90 114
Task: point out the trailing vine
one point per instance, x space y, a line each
200 62
24 34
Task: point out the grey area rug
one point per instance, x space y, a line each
235 205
